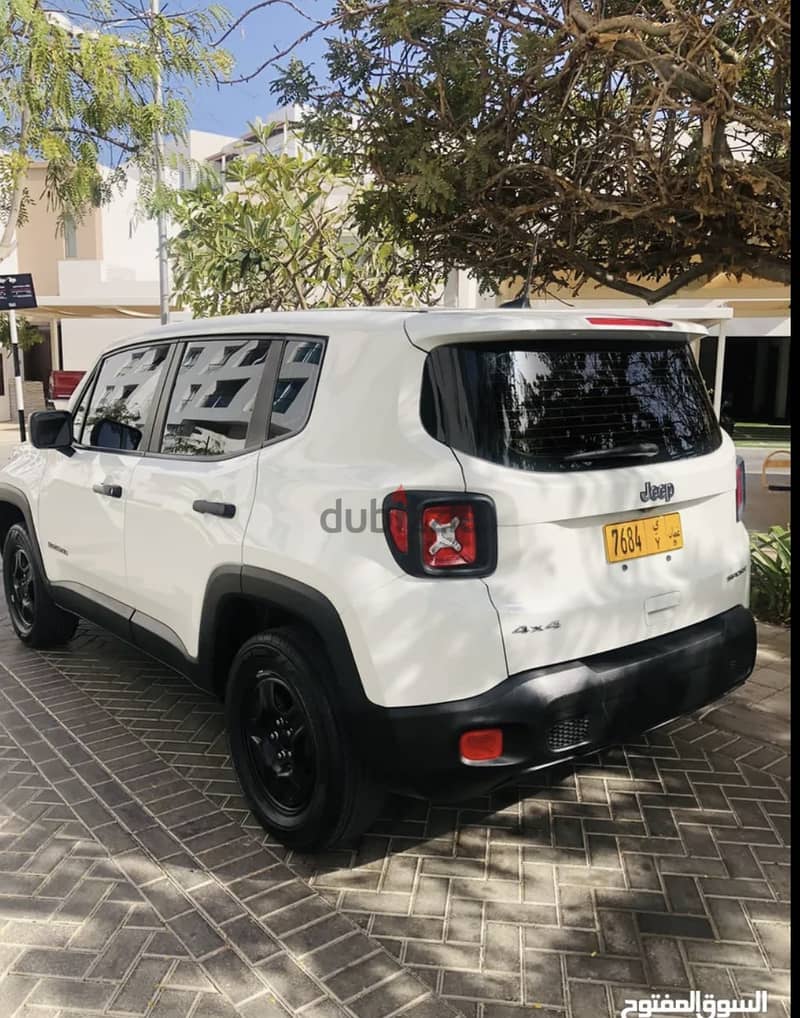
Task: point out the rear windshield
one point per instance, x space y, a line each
577 404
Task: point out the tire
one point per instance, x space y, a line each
317 795
36 618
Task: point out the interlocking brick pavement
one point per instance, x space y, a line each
133 880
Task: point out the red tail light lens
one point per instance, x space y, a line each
448 536
398 529
481 744
441 533
740 487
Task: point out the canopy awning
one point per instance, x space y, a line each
94 307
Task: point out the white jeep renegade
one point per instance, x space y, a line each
423 551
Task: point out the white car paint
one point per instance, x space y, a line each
415 640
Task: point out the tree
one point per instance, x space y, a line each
78 95
281 235
645 143
27 335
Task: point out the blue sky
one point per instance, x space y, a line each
228 109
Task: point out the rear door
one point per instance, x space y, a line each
190 497
614 486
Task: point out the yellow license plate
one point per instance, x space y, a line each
636 538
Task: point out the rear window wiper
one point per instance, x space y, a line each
633 451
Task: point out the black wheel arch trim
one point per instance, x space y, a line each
17 498
316 610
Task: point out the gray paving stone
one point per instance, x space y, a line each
579 885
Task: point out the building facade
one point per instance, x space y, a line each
96 279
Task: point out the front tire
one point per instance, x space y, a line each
36 618
289 749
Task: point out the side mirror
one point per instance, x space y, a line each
51 429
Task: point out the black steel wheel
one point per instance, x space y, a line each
289 744
277 732
36 618
21 594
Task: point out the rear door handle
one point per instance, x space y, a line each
225 509
111 490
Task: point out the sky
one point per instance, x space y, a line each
228 109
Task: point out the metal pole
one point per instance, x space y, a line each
719 369
163 264
12 328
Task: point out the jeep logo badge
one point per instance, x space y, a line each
657 492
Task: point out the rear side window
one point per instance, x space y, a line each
295 387
572 404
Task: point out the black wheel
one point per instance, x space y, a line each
36 618
299 774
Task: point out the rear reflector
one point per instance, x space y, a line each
481 744
448 536
654 322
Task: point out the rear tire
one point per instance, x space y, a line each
36 618
289 748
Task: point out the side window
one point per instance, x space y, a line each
79 411
213 397
295 387
126 385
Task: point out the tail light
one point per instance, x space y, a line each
448 536
740 488
398 529
649 322
441 533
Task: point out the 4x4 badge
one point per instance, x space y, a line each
657 492
555 624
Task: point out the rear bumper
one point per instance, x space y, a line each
554 713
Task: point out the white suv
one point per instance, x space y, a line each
423 551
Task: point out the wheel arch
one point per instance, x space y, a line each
240 603
15 508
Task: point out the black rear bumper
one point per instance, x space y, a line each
554 713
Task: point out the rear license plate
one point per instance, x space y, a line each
636 538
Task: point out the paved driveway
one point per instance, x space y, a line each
134 882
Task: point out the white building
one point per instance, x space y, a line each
96 280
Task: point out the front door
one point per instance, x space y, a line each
81 506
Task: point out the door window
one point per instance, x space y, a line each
213 397
121 399
295 387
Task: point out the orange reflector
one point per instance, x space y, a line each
481 744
